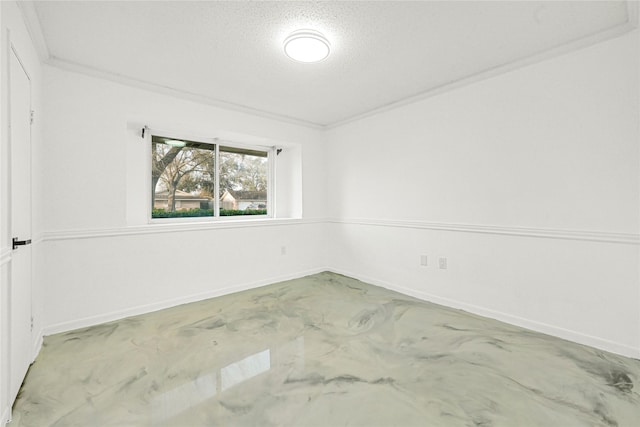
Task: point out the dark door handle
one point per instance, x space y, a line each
17 243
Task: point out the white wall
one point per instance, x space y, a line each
104 259
527 182
14 32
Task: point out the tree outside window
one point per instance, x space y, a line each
183 175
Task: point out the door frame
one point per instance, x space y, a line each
12 49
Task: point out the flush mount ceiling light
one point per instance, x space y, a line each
175 143
306 46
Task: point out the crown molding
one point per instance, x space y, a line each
176 93
562 49
34 28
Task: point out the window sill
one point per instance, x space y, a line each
207 220
189 224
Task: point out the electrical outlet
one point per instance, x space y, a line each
442 263
283 250
423 260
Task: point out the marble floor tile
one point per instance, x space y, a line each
324 350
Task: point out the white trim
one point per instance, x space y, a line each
151 131
271 182
37 345
148 165
5 256
545 55
176 93
216 183
34 28
176 228
533 325
148 308
546 233
36 240
156 228
6 416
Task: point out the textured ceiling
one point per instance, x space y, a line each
383 52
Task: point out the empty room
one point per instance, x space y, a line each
327 213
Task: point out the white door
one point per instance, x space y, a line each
20 351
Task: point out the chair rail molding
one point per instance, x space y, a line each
546 233
176 228
5 255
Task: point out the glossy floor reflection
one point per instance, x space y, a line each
324 350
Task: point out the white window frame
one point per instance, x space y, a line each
217 142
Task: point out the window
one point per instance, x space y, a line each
199 179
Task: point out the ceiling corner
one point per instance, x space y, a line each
34 28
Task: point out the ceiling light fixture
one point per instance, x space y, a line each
307 46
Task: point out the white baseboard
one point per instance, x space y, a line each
148 308
37 345
6 417
533 325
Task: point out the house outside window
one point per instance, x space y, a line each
208 179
